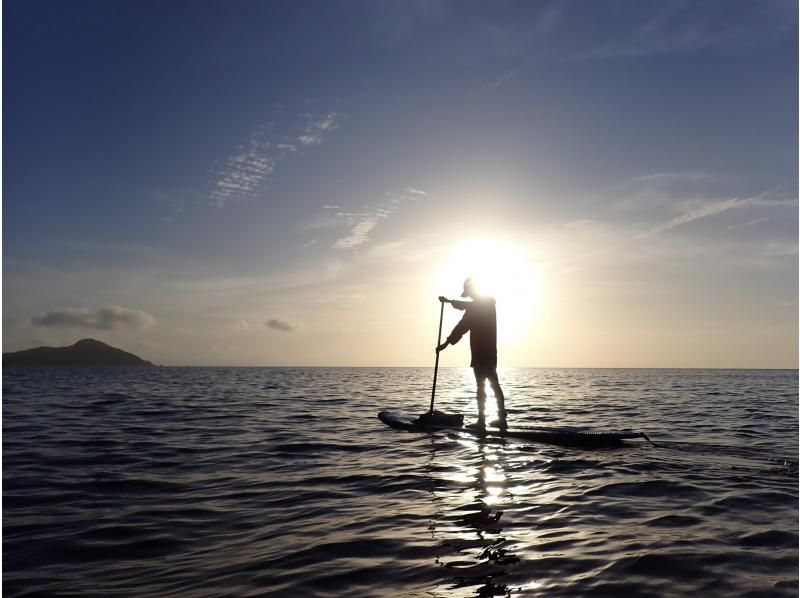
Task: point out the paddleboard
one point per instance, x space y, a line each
579 437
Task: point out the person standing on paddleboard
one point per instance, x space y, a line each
480 320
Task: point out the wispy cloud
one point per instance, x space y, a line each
651 190
107 318
280 325
682 26
779 249
670 177
626 30
359 234
749 224
504 78
318 127
698 212
697 209
244 173
395 22
363 222
666 200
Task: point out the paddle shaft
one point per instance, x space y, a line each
436 367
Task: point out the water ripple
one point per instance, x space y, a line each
254 481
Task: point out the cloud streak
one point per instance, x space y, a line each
107 318
633 30
359 234
652 190
318 127
695 210
362 223
243 174
680 27
696 213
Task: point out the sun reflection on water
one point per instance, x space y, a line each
475 550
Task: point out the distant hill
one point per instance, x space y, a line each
87 352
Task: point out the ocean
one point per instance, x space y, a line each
282 482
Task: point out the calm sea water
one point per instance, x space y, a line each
248 481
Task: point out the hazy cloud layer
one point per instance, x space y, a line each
107 318
280 325
243 174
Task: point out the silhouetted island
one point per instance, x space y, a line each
86 352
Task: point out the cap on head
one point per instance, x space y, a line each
469 288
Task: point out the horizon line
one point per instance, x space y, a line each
453 367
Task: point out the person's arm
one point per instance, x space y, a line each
457 303
460 330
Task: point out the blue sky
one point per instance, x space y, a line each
282 182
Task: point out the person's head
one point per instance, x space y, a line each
469 289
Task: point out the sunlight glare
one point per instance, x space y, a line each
499 270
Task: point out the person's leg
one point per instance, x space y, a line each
498 393
480 380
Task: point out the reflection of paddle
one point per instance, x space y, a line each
436 367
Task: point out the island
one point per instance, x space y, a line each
87 352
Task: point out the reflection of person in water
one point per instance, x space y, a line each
480 320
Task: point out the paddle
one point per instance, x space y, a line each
436 367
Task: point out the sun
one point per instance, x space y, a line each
499 270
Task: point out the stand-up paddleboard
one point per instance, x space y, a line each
579 437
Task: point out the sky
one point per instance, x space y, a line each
295 183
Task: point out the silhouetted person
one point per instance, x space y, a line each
480 320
